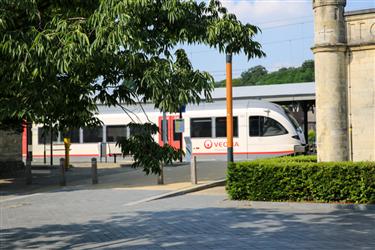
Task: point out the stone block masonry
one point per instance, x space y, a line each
10 150
345 80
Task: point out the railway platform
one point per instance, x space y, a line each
111 176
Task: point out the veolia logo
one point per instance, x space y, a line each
208 144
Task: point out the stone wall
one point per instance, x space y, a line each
345 78
361 83
330 79
10 150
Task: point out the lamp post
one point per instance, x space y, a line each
229 107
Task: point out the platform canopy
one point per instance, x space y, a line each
278 93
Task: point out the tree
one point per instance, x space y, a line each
59 58
253 75
304 73
258 75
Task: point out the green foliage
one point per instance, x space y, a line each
145 151
60 58
258 75
253 75
312 136
12 124
302 179
176 83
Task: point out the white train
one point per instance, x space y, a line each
261 129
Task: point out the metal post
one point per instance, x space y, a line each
161 175
165 130
29 153
44 149
62 172
305 109
165 141
229 107
180 135
51 145
193 171
29 177
94 171
67 149
100 152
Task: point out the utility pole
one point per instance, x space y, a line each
229 107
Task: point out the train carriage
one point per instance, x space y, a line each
261 129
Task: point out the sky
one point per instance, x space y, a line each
287 35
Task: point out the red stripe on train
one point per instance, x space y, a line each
63 155
248 153
218 153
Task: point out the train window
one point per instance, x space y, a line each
200 127
221 126
44 136
116 132
73 135
93 134
176 136
254 122
265 126
272 127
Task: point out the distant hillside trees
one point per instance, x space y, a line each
259 75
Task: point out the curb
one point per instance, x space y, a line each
180 192
308 206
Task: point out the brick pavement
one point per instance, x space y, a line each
100 219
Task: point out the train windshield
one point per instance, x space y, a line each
292 119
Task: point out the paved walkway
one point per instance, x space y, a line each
111 215
110 176
103 219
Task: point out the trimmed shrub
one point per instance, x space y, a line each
302 179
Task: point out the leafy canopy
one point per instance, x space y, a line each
259 75
61 57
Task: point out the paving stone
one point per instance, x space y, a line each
87 219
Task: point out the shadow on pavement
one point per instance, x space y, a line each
203 228
45 177
110 175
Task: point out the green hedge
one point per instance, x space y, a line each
302 179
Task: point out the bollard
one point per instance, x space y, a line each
161 175
29 177
94 171
62 172
193 171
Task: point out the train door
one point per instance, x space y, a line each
172 136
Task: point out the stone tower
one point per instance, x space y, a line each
331 85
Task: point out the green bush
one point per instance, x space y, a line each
302 179
311 136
